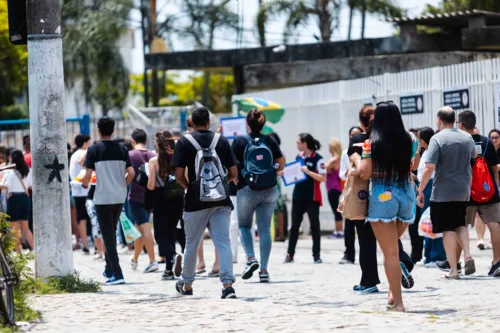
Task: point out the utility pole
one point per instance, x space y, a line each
145 42
152 35
51 211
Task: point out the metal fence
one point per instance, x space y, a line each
330 109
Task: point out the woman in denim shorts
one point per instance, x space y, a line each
386 162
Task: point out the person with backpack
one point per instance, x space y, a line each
168 203
211 165
259 159
449 155
139 200
485 199
307 195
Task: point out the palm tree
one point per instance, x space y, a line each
91 54
385 8
298 12
205 19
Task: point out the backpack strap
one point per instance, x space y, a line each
215 141
486 148
194 142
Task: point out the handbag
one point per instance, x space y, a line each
171 188
355 197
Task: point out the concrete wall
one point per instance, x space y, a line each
280 75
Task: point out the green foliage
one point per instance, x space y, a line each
91 51
15 111
181 93
71 283
13 64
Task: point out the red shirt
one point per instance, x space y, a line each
27 159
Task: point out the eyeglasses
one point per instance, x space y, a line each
385 102
494 137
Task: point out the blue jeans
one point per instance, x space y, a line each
433 248
262 203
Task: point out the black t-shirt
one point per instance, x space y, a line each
184 157
310 189
491 158
239 145
358 138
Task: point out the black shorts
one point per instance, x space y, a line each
448 216
18 207
81 209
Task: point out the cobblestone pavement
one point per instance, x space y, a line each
303 297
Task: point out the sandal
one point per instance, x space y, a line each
200 271
447 277
213 274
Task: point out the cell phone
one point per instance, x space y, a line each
479 149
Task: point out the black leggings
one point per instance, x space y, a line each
166 216
299 208
333 198
367 253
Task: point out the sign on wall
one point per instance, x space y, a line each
413 103
497 104
457 98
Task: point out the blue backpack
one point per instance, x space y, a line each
258 165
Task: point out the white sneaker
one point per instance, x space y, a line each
98 256
152 268
133 264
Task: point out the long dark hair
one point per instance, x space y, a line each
17 158
312 143
166 146
391 144
425 134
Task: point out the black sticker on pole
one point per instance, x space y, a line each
458 99
412 104
55 170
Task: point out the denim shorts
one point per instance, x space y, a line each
388 203
138 213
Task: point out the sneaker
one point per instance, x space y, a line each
431 264
495 270
288 259
98 256
133 264
250 267
167 275
179 286
345 261
317 260
481 246
85 251
107 276
178 265
445 266
153 267
339 234
470 266
228 293
113 281
264 277
406 278
359 289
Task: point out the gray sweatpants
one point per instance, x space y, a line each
217 220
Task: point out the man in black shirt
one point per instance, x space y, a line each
200 214
488 211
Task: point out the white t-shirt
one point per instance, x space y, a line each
421 167
14 184
344 165
74 170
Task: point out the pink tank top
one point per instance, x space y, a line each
333 181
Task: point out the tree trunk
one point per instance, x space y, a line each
206 89
363 20
349 29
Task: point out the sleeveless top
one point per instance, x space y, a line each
333 181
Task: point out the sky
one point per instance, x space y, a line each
375 27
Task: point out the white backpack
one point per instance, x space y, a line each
209 172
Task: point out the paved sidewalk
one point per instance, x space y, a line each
303 297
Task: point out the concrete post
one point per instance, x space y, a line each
51 212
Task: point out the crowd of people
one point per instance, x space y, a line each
201 180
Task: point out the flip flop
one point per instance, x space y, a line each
470 266
390 307
200 271
213 274
452 277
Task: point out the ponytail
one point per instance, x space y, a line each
256 120
312 143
